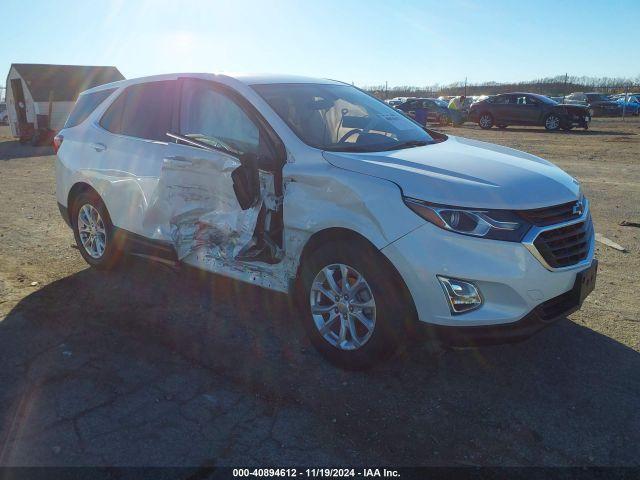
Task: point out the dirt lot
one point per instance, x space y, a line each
147 366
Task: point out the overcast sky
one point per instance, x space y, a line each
404 42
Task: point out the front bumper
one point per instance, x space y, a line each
578 120
512 281
545 314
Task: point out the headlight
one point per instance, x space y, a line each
495 224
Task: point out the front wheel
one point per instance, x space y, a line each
354 312
552 122
485 121
94 232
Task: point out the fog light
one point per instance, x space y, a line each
462 296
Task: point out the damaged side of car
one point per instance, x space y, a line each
223 184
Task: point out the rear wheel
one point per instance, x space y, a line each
354 312
94 232
485 121
552 122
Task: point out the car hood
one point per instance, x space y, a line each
573 106
467 173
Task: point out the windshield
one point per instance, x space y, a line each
341 118
545 99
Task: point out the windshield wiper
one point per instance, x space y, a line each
348 148
409 144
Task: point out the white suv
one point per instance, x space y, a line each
314 188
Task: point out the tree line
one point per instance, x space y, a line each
553 86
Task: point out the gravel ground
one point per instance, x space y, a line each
148 366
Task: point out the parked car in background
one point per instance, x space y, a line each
394 102
429 110
312 188
630 104
601 105
528 109
4 114
397 100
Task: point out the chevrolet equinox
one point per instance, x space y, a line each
314 188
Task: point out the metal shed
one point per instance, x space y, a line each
39 97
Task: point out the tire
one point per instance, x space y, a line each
99 227
485 121
502 127
552 122
381 301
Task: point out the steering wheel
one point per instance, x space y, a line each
351 132
348 135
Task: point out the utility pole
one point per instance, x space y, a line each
386 90
564 88
465 86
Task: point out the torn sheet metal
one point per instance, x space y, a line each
195 207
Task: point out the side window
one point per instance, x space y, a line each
85 105
112 118
518 100
148 109
212 117
501 100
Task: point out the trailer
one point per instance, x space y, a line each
40 97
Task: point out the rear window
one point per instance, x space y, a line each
86 104
142 111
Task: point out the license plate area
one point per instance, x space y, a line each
586 281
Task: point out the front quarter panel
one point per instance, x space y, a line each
319 196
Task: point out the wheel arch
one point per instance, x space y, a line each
76 190
338 234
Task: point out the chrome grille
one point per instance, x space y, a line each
561 244
565 246
542 217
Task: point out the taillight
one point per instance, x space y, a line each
57 143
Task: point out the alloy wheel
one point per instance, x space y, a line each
485 121
92 231
552 122
342 306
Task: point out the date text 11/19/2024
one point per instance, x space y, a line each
316 472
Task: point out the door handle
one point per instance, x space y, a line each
99 147
178 160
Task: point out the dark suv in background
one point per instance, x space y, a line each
528 109
429 110
601 105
